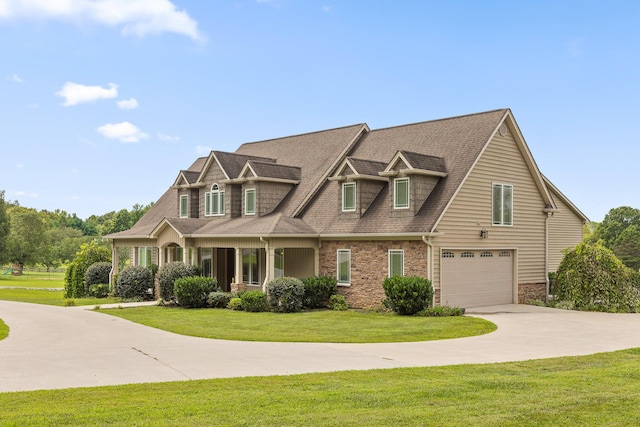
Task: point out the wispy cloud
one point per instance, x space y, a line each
134 17
74 93
124 132
128 104
14 77
170 138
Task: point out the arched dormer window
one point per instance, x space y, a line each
214 202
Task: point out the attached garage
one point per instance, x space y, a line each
476 278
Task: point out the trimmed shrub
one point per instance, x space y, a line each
169 273
96 274
134 282
254 301
318 290
99 290
593 278
89 254
441 311
338 303
235 304
217 299
285 294
193 291
407 295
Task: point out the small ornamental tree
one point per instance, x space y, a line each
593 278
169 273
407 295
89 254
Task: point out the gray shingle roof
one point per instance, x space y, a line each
232 163
425 161
273 170
367 167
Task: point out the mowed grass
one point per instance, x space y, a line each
597 390
313 326
4 330
33 279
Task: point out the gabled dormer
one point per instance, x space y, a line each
412 177
188 194
264 184
360 183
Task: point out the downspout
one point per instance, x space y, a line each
267 262
428 241
546 255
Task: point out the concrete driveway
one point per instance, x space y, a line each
59 347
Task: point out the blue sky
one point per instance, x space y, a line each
102 102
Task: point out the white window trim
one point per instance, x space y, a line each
207 204
343 283
349 184
395 193
259 265
142 256
500 221
185 214
394 251
246 192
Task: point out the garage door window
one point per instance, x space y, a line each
396 263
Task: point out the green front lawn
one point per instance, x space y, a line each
44 296
313 326
597 390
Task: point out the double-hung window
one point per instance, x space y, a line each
401 193
214 201
251 266
344 267
396 262
502 204
250 201
184 206
144 256
349 197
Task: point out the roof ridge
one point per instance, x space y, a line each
442 119
301 134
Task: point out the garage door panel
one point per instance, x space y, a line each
476 278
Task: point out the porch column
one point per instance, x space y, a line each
185 256
238 279
316 261
114 266
160 258
271 267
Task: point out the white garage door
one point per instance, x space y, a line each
472 278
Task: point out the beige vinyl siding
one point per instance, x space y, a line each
502 162
565 230
299 262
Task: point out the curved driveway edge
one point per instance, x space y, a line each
60 347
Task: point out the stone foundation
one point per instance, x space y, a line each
531 291
241 287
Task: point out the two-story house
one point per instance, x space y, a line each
458 200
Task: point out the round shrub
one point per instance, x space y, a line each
169 273
235 304
593 278
338 303
217 299
97 273
99 290
193 291
134 282
254 301
285 294
318 290
407 295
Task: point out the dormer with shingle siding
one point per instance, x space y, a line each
359 184
412 178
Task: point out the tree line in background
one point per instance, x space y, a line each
52 239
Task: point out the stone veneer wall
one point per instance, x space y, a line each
369 267
531 291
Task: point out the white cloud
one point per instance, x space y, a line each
135 17
128 104
165 137
74 93
201 150
124 131
14 77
